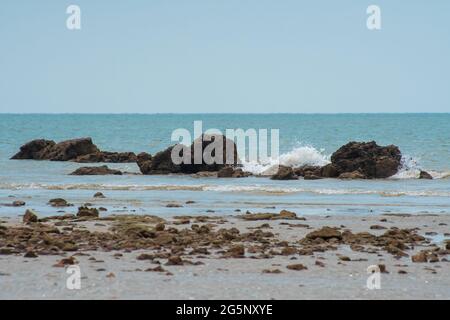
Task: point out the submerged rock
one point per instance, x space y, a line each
425 175
89 171
59 202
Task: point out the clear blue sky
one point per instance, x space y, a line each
152 56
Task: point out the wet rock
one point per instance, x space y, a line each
310 176
156 269
284 214
99 195
33 149
174 261
100 170
296 267
324 233
65 262
320 264
59 202
287 251
173 205
344 258
377 227
367 158
62 151
272 271
6 251
352 175
30 254
329 171
30 217
219 145
77 150
425 175
87 212
284 173
160 227
237 251
18 203
107 157
145 256
402 272
382 268
230 172
419 257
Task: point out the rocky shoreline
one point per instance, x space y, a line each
276 244
355 160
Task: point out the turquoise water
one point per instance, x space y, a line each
424 140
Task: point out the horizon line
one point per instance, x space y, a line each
216 113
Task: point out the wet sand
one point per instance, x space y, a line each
118 274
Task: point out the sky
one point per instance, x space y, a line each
224 56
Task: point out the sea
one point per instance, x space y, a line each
424 140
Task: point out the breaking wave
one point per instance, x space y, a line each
411 169
297 157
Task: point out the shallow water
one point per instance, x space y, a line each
423 138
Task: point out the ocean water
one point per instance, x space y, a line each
424 140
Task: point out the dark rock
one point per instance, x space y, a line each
352 175
284 173
108 157
59 202
329 171
230 172
62 151
34 149
296 267
30 254
324 233
174 261
99 195
425 175
161 162
420 257
87 212
307 170
372 160
18 203
101 170
311 176
29 217
77 150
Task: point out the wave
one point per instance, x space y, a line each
297 157
252 189
308 155
411 169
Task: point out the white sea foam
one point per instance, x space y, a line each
231 188
297 157
411 169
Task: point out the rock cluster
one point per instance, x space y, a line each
355 160
76 150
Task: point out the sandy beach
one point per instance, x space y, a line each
215 268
